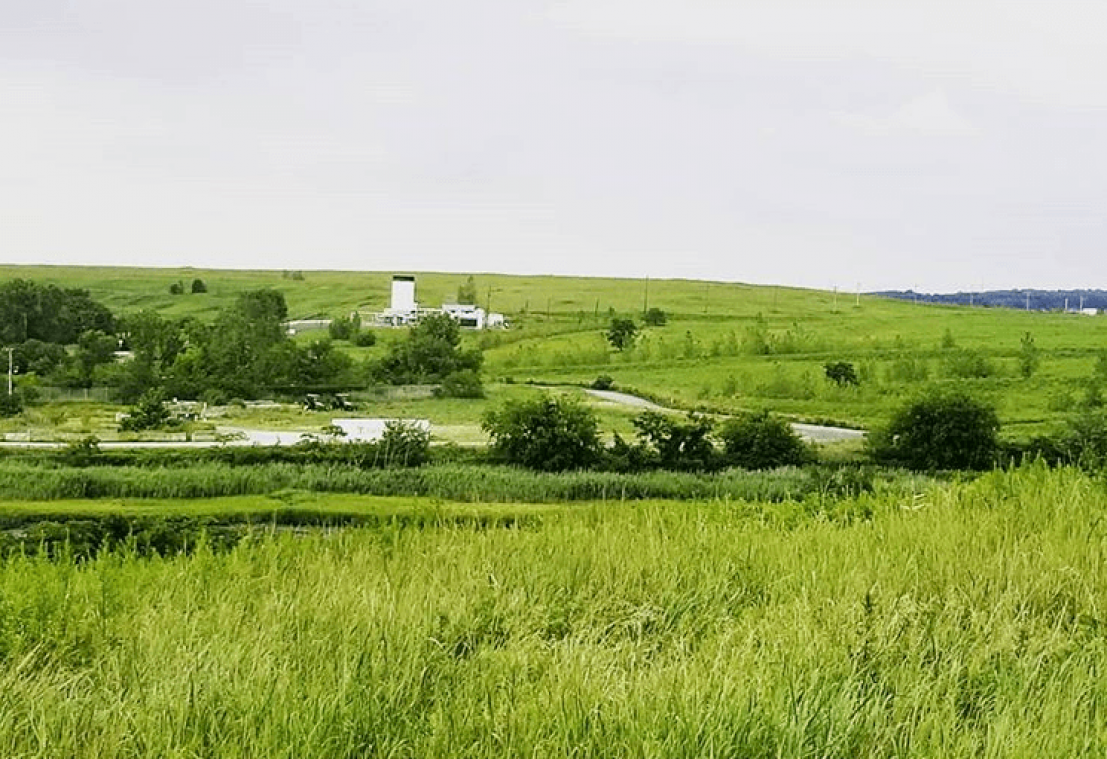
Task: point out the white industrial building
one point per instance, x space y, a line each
404 310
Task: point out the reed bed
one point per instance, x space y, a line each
474 483
966 622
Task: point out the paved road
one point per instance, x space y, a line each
241 436
813 432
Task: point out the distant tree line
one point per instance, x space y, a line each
1039 300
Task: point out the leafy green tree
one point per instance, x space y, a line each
545 433
467 293
621 333
462 384
403 444
430 353
30 311
675 444
247 348
1029 356
177 288
760 440
344 327
94 349
941 429
841 373
655 317
198 287
148 414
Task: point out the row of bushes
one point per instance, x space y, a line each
558 434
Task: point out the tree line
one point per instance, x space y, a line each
65 338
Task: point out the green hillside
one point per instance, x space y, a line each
726 346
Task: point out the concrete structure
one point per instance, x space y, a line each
370 430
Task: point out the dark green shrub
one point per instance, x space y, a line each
841 373
621 333
10 405
676 445
655 317
403 444
463 384
942 429
760 440
81 453
365 339
967 364
344 327
198 287
603 382
430 353
1084 443
149 414
546 433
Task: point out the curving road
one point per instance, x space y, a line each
816 433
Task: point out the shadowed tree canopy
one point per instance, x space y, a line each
30 311
430 353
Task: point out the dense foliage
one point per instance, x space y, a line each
942 429
621 333
547 433
430 353
50 314
761 440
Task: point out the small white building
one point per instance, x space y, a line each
466 316
1090 311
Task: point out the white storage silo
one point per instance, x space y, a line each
403 294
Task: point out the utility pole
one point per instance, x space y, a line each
1027 300
10 370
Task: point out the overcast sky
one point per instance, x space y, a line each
940 145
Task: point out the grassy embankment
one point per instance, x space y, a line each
965 622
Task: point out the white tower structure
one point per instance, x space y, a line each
403 294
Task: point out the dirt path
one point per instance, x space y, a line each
814 432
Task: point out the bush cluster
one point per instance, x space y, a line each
559 434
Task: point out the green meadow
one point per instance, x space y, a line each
963 620
160 603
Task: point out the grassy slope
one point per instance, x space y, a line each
701 357
967 622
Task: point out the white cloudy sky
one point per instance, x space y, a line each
937 144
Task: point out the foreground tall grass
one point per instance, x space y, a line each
967 622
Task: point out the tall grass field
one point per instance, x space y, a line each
964 620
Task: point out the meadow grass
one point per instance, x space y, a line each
966 621
456 482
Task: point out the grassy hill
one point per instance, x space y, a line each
726 346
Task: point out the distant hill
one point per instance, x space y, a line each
1039 300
